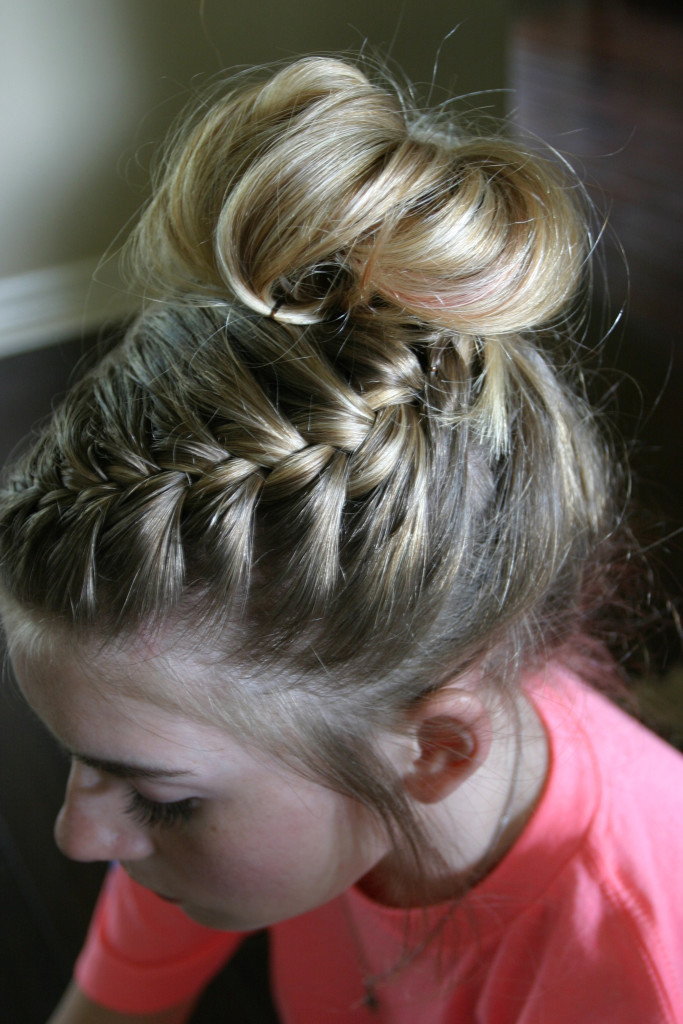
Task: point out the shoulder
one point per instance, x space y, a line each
619 894
143 954
635 776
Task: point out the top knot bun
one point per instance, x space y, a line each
310 196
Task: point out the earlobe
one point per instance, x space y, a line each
453 737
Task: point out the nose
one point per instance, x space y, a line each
92 824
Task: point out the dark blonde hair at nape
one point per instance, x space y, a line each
340 421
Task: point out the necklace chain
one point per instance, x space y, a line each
371 1000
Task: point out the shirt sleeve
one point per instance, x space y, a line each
142 955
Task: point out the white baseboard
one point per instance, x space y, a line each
43 307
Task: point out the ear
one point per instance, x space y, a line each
452 734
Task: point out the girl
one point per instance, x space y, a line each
301 573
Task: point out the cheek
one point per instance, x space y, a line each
224 843
278 849
247 871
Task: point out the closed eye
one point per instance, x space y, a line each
153 814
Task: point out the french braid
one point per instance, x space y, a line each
341 413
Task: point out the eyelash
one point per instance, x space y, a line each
153 814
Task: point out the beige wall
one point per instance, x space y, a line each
88 86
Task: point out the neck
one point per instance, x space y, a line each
472 829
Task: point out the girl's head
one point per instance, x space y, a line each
336 451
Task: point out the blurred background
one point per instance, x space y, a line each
88 89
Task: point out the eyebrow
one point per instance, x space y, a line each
123 770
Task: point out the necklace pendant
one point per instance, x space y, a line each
370 1000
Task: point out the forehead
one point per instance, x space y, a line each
63 679
275 711
96 701
146 667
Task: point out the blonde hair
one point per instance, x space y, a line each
341 420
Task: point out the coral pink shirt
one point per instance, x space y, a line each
580 923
